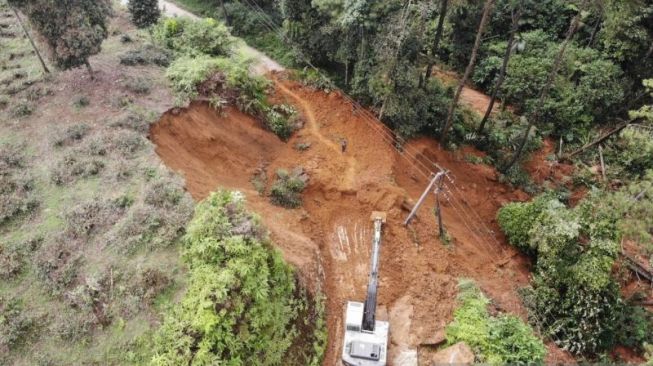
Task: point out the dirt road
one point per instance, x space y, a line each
329 238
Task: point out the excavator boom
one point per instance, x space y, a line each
366 339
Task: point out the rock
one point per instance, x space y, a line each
406 357
458 354
436 339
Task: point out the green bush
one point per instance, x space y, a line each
139 85
22 109
15 324
504 339
73 165
71 134
187 72
17 196
239 307
195 37
286 190
516 220
631 154
282 120
146 55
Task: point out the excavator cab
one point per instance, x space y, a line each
366 339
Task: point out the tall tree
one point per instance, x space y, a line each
31 41
72 29
516 14
436 40
535 116
144 13
487 10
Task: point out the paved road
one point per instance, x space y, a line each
262 63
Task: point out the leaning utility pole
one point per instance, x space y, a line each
434 185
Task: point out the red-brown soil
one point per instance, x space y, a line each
328 238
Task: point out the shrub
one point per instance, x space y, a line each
240 305
81 101
282 120
187 72
15 324
58 262
22 109
135 119
71 134
156 221
16 184
189 37
516 220
88 218
286 190
504 339
127 143
74 165
206 36
138 85
632 153
146 55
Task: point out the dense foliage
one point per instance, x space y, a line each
574 298
241 303
72 29
503 339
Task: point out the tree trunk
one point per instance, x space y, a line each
487 9
436 40
595 31
502 73
31 41
224 12
545 90
90 69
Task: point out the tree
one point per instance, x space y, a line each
545 89
436 41
516 14
72 29
144 13
487 9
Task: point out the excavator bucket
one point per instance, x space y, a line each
378 215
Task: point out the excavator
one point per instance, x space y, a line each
366 339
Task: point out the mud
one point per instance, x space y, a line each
329 238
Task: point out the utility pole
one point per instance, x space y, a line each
436 185
438 212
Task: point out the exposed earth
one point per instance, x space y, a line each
329 238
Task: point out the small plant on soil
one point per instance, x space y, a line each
138 85
81 101
303 146
71 134
286 190
22 109
282 119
